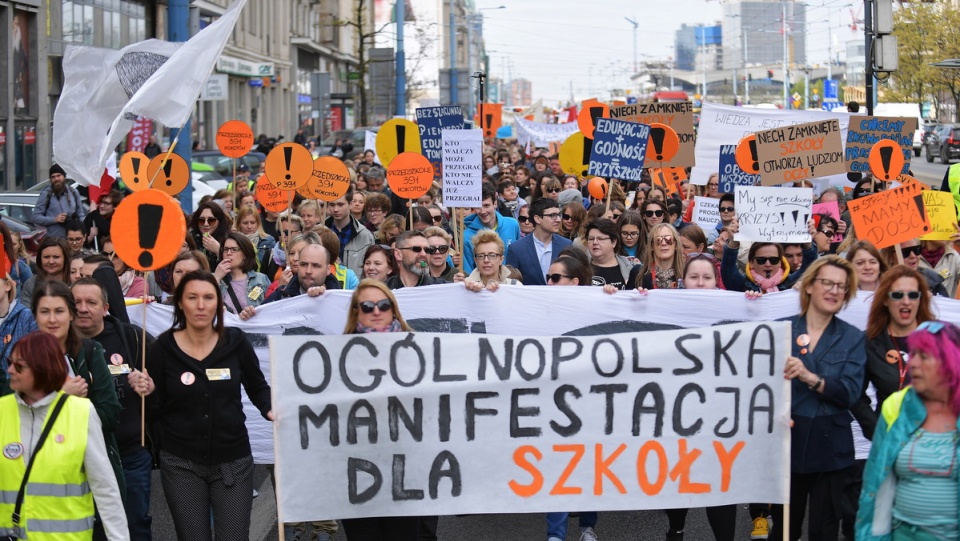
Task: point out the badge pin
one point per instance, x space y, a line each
13 450
7 339
187 378
893 356
116 359
803 340
59 438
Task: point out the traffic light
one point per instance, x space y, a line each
769 74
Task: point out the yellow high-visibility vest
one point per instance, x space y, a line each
58 504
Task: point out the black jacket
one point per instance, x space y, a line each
394 282
201 419
884 376
292 289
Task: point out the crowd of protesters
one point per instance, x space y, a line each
895 384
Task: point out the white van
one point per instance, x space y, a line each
906 110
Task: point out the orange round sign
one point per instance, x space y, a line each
746 155
590 111
150 228
597 188
272 198
289 166
410 175
662 144
330 180
886 160
234 138
133 170
172 175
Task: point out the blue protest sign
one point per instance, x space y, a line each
433 120
619 148
731 175
830 87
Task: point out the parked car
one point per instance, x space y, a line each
31 235
19 205
356 136
943 143
206 173
224 165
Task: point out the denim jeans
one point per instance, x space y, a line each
557 523
137 468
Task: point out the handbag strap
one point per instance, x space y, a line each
233 297
43 437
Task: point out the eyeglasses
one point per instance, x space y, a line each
553 190
437 219
487 257
767 260
617 216
899 295
712 185
910 250
629 234
829 285
554 278
652 213
231 249
727 209
591 240
932 327
523 219
110 254
435 249
829 233
700 255
664 239
106 202
554 216
74 240
206 221
17 364
367 307
415 249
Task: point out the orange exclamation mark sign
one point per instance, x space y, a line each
656 138
886 160
133 169
663 143
746 154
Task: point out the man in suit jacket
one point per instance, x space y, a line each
533 254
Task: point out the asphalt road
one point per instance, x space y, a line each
617 526
931 173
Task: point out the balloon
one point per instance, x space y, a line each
597 188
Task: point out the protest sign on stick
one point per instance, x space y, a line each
731 174
462 164
800 152
421 424
772 214
866 131
942 213
432 121
619 149
891 216
677 115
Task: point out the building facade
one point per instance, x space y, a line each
755 33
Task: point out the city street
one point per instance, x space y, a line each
931 173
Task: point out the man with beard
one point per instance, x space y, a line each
57 204
313 278
411 254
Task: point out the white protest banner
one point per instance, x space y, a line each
619 149
771 214
541 134
452 309
726 125
706 212
422 423
462 167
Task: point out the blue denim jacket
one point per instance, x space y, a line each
821 439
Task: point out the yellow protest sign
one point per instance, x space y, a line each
942 213
575 154
396 136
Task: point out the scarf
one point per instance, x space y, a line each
933 256
769 285
126 280
393 327
254 239
665 279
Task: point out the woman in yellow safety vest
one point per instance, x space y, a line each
66 466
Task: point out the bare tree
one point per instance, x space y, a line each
361 21
418 80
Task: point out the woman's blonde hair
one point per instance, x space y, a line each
810 274
354 309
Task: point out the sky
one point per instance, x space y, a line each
588 45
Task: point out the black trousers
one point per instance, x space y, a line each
722 519
382 528
824 494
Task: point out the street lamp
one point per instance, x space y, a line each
471 20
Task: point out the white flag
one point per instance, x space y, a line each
153 79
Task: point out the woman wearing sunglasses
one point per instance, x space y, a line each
910 481
827 229
526 222
551 188
767 271
439 253
654 212
912 251
373 308
662 261
826 367
209 227
572 217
